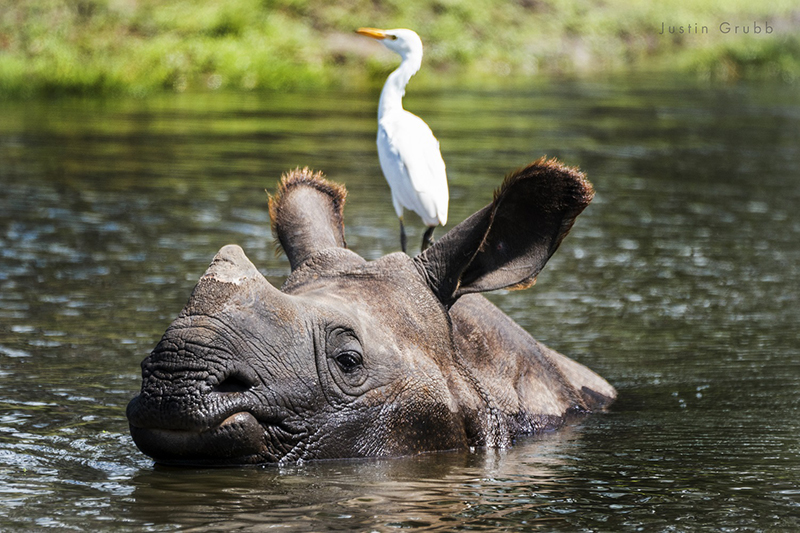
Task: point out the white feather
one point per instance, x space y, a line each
409 153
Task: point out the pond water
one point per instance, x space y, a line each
679 285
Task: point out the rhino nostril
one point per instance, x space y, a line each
234 383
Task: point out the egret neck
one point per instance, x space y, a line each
395 87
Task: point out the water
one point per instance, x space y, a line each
679 285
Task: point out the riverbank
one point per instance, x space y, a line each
139 47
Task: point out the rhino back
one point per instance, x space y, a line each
522 385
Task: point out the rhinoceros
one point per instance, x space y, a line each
353 358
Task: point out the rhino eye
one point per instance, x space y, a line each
345 356
348 361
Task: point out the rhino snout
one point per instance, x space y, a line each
186 414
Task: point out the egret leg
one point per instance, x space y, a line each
403 239
427 238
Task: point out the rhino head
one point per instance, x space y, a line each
355 358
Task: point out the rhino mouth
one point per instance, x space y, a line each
232 436
239 439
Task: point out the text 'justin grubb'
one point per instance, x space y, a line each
724 27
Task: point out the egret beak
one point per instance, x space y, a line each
375 33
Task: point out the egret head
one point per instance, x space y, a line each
404 42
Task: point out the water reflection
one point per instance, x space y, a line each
679 285
484 489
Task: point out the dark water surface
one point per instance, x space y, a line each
679 285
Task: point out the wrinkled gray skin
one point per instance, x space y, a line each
355 358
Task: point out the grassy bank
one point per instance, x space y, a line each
141 46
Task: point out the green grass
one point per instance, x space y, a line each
141 46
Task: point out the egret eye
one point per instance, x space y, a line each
348 361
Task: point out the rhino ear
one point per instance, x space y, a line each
307 215
507 243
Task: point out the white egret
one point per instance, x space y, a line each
408 151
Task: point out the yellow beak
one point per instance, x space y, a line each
375 33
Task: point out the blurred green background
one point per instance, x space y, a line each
141 46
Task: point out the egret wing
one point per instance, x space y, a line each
413 166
